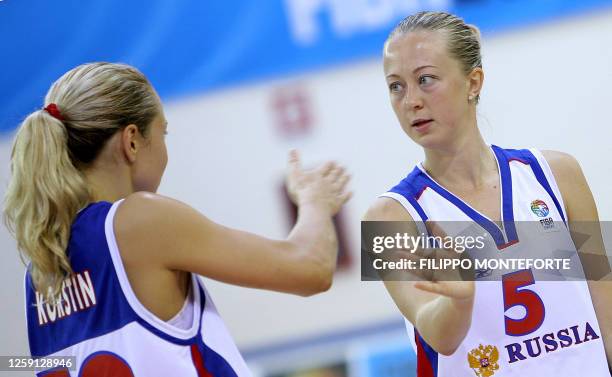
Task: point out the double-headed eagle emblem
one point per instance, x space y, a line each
483 360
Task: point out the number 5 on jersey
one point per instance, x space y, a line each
515 296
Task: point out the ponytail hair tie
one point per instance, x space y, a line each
54 111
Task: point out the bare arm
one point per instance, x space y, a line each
583 218
163 232
440 311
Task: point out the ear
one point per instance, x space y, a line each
475 81
130 143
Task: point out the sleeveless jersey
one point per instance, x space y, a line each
521 325
100 322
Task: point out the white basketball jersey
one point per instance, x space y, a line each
102 323
521 325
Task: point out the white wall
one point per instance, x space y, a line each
546 87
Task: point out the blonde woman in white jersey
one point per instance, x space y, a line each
113 273
434 73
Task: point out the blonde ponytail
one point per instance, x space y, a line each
44 195
47 187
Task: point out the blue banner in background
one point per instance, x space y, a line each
192 46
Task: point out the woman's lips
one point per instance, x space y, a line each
422 125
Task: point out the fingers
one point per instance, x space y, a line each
414 258
331 170
448 289
431 287
455 290
326 183
327 167
339 196
345 196
341 182
336 172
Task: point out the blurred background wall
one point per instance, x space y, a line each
245 81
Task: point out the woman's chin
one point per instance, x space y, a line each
427 141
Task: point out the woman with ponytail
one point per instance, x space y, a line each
112 278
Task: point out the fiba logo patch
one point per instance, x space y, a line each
539 208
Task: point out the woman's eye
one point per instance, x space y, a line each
395 87
426 80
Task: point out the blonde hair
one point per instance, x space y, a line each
47 187
463 39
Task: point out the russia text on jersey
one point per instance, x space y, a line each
77 294
551 341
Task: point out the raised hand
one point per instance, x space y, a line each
323 186
446 282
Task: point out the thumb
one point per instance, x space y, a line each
294 165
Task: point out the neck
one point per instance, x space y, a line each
468 162
107 184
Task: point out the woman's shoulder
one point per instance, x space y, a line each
154 214
573 185
564 166
148 206
386 209
146 222
144 199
